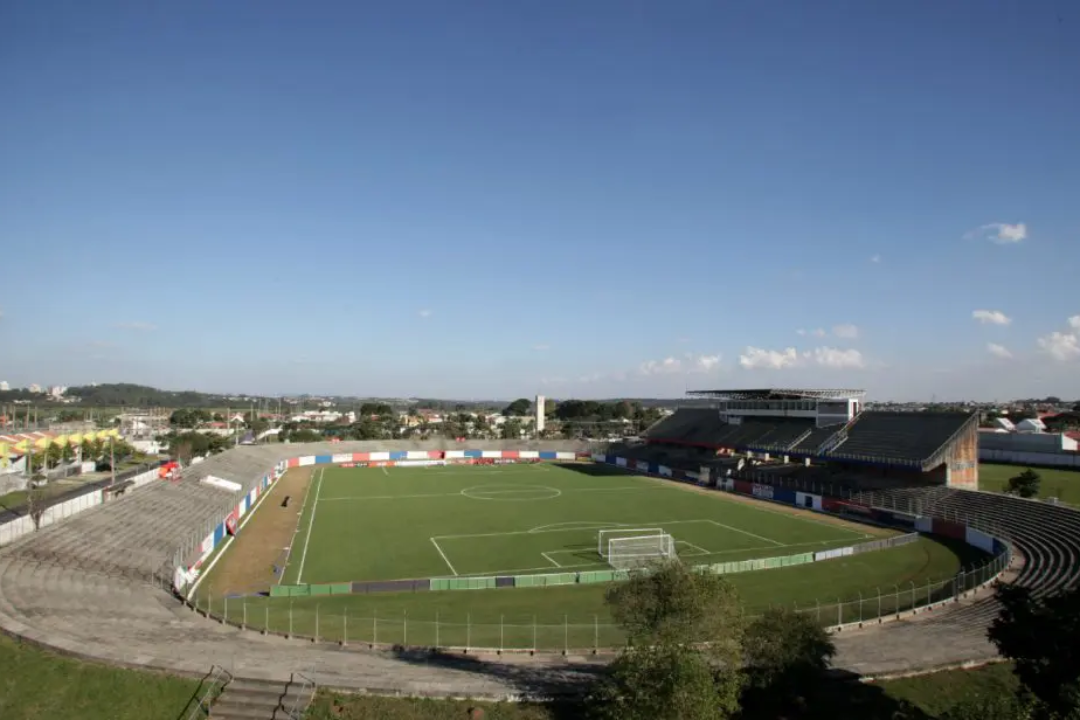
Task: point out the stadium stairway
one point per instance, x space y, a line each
262 700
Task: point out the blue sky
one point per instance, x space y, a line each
492 199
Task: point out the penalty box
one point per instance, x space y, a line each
573 545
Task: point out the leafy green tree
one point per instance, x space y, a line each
511 430
1040 636
684 656
1026 484
53 455
787 655
659 682
518 408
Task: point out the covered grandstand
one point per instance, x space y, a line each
785 429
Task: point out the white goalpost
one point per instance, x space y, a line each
630 548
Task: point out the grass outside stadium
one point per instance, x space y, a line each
345 525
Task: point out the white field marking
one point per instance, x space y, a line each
299 515
700 550
762 506
535 531
579 525
747 532
445 559
458 494
525 490
550 560
390 497
385 471
311 524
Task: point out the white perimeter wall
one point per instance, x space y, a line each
1018 457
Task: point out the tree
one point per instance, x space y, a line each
511 430
685 655
1040 636
1026 484
518 408
787 655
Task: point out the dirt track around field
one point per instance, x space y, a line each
248 564
791 510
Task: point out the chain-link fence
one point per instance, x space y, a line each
548 631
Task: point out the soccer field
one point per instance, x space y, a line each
363 524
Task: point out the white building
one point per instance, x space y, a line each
4 387
34 388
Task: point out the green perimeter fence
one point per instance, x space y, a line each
548 631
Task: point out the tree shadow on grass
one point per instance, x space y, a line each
558 684
837 694
593 469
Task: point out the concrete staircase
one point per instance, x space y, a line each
263 700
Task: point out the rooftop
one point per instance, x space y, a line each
779 394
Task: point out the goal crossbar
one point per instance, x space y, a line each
604 536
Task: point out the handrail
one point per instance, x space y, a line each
300 705
217 673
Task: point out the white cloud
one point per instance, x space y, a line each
1000 233
689 363
846 331
667 366
820 332
1074 322
754 358
138 326
992 317
998 351
835 358
541 347
1061 346
875 259
425 313
705 363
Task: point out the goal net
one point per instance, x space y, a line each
636 551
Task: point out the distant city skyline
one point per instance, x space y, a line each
579 200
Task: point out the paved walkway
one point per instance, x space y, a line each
136 625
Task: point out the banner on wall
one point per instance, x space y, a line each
419 463
348 465
765 492
231 523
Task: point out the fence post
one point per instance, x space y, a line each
468 631
534 633
316 623
860 607
266 618
290 617
596 634
914 602
225 617
405 628
210 602
879 604
566 634
929 595
344 626
896 602
839 612
243 609
374 627
501 635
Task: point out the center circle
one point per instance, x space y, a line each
511 493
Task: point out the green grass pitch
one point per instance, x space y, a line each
445 521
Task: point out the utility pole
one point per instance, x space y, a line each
112 461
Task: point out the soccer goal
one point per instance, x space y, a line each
627 549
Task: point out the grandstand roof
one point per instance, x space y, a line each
779 394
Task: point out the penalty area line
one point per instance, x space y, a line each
445 559
550 560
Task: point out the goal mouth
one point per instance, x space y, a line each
639 551
604 536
